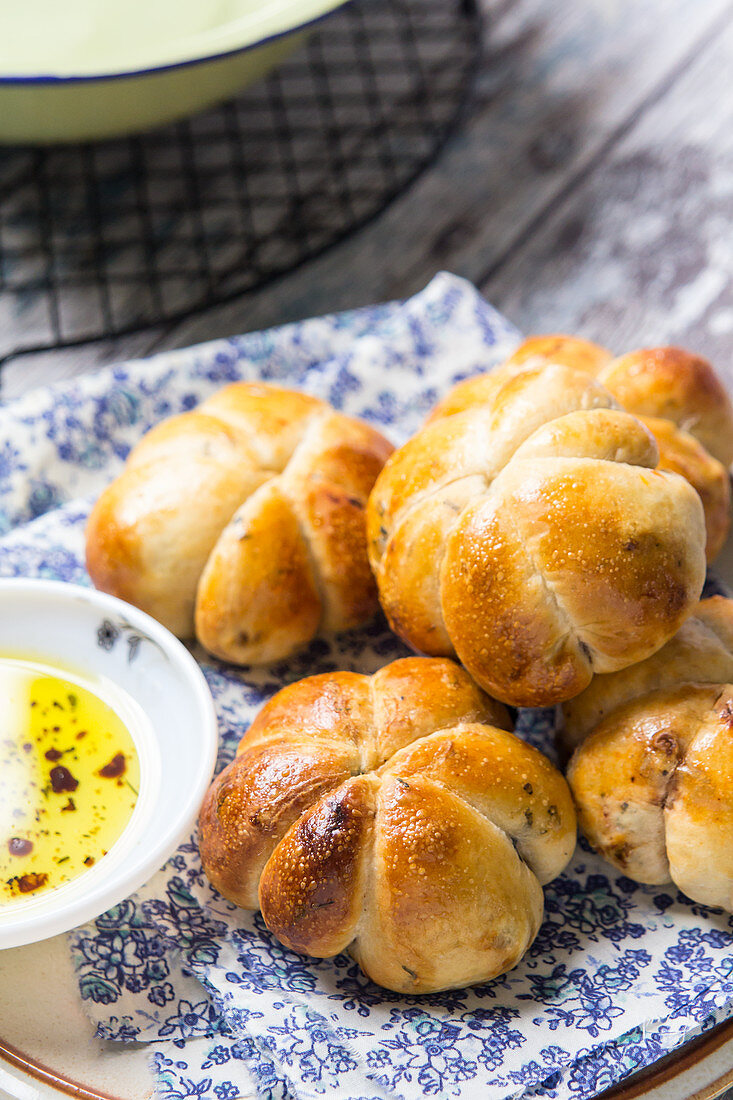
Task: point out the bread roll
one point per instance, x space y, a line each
243 522
533 537
395 817
677 396
666 382
701 651
675 385
654 789
652 773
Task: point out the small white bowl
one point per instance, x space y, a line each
156 687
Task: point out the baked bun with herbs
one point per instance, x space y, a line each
653 777
677 396
533 536
393 816
243 522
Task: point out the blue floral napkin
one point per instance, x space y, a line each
619 973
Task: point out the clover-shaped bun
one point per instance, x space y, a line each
653 785
243 521
652 774
533 536
393 816
676 395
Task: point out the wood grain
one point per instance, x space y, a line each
557 85
562 86
640 251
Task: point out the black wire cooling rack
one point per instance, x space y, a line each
103 240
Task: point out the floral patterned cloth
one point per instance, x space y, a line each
619 973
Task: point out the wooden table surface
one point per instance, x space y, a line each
590 190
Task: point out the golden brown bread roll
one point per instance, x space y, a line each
666 382
652 774
701 651
677 395
533 536
244 521
392 816
675 385
683 454
653 785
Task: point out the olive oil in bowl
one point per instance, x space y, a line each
69 779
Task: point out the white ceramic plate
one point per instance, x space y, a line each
47 1044
48 1050
156 687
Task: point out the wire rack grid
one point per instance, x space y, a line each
103 240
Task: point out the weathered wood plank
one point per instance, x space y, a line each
558 82
22 374
641 251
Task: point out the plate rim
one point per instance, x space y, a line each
10 1055
689 1054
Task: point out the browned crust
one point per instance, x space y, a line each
273 418
333 523
167 525
436 857
258 598
333 707
681 453
512 784
410 582
676 385
355 823
413 697
567 351
254 801
654 789
506 631
700 651
480 390
312 889
571 351
147 542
